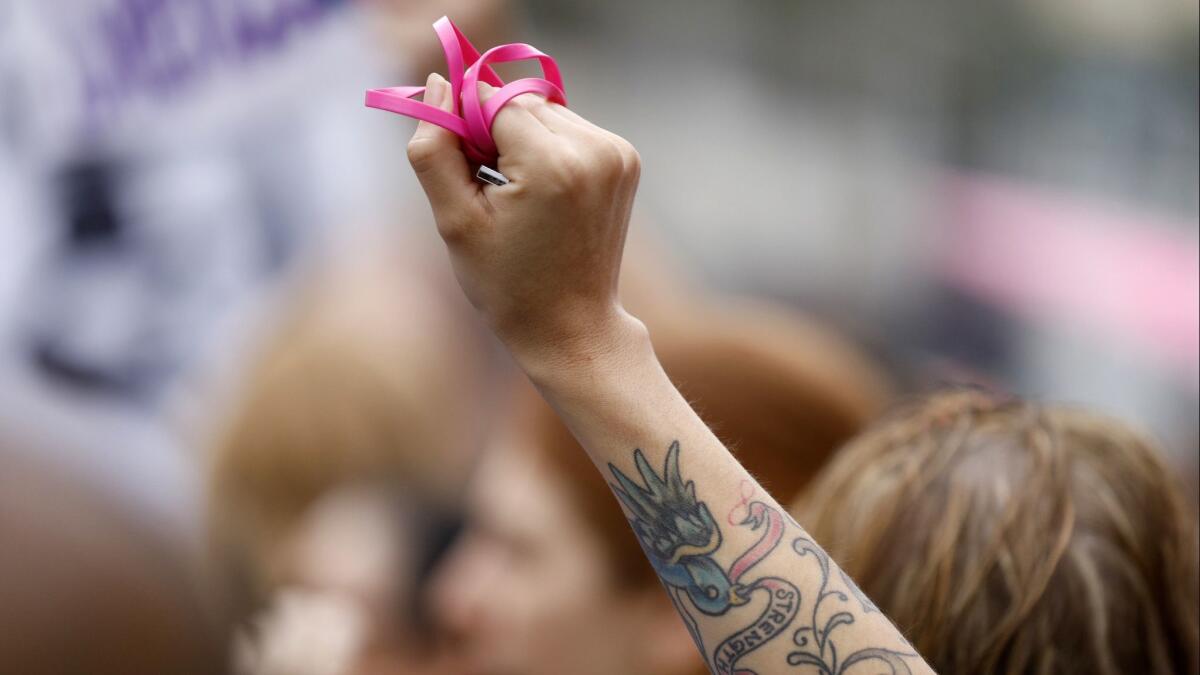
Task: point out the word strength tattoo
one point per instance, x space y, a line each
680 537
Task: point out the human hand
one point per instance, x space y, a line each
540 256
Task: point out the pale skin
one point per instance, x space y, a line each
539 258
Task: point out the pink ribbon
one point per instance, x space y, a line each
470 119
757 514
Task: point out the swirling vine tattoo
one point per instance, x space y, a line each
816 648
680 537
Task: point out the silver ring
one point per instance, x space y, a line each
490 175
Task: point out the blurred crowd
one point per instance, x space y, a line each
249 425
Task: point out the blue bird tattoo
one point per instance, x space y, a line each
678 532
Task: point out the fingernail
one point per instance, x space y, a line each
435 89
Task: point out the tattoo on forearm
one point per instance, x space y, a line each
680 537
815 646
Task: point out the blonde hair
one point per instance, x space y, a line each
1008 537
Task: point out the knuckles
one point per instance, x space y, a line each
605 161
631 161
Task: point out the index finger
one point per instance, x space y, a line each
516 131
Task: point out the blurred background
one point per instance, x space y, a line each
994 192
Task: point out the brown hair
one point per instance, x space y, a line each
363 383
781 392
90 584
1009 537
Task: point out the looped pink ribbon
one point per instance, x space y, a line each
470 119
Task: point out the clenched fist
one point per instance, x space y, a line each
540 256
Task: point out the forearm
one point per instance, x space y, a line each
756 592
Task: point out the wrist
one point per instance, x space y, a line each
598 345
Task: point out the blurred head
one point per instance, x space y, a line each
372 384
550 579
88 586
1009 537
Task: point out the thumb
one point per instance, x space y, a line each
435 154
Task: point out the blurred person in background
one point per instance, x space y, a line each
548 578
335 480
90 584
166 170
1008 537
169 171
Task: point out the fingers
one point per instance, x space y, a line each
565 113
516 131
609 145
534 135
556 123
559 112
436 157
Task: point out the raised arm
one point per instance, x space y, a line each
540 258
